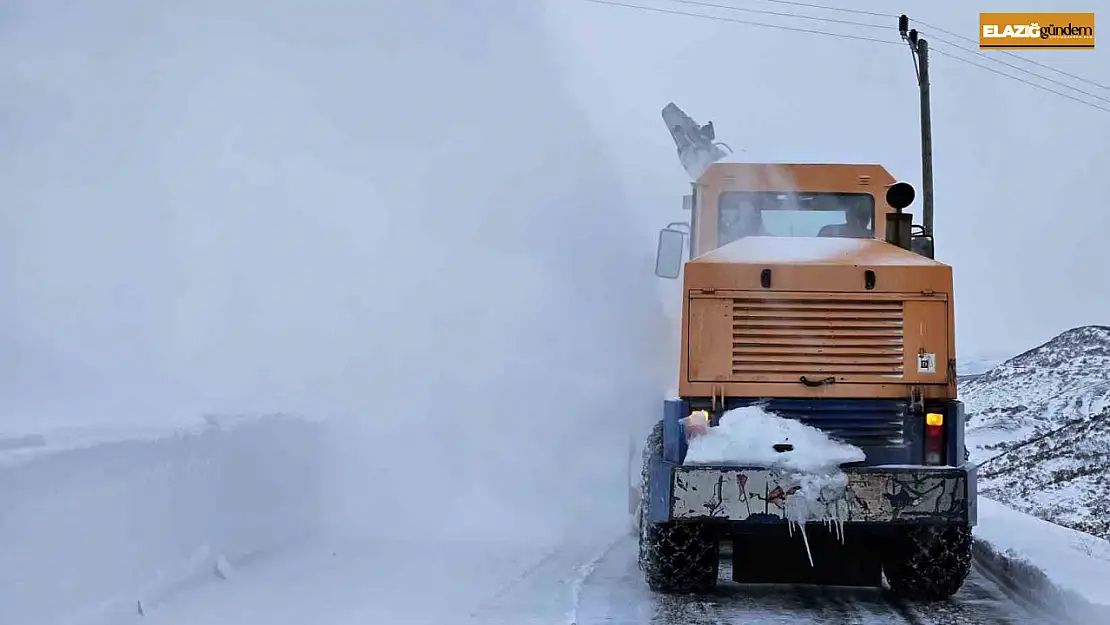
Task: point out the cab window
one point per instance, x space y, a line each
777 214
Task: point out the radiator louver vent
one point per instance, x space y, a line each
857 340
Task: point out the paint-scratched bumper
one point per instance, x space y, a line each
874 495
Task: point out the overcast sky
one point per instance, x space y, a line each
262 204
1018 172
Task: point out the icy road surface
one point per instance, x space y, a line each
348 583
615 594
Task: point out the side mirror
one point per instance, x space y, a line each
922 245
668 256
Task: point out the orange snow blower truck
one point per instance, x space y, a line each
807 291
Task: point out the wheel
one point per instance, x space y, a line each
929 563
674 557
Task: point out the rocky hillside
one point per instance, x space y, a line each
1065 379
1062 477
1040 425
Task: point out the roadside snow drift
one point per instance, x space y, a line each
749 436
90 532
1051 564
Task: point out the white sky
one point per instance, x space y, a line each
262 204
1019 186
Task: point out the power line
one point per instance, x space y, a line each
729 7
893 16
947 32
1020 69
1008 53
831 8
1019 79
739 21
704 3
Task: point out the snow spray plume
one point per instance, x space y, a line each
386 213
533 334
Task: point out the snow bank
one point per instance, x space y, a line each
1062 569
751 436
90 527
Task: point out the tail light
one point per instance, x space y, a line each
934 438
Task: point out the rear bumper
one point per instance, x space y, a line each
874 495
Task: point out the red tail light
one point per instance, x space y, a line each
934 438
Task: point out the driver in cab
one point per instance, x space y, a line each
855 226
741 221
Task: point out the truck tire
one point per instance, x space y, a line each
674 557
929 563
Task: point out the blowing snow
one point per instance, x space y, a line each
806 456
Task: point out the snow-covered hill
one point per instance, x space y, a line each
1040 424
977 366
1063 477
1065 379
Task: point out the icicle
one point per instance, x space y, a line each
805 539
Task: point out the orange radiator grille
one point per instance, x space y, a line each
791 337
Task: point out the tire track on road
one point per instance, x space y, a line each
516 581
548 591
614 593
587 571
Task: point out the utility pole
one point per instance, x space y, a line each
919 49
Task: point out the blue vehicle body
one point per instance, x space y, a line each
892 486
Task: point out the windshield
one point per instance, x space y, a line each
776 214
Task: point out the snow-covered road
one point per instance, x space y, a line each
615 594
343 582
159 515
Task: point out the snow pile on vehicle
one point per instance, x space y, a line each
810 250
808 459
747 436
